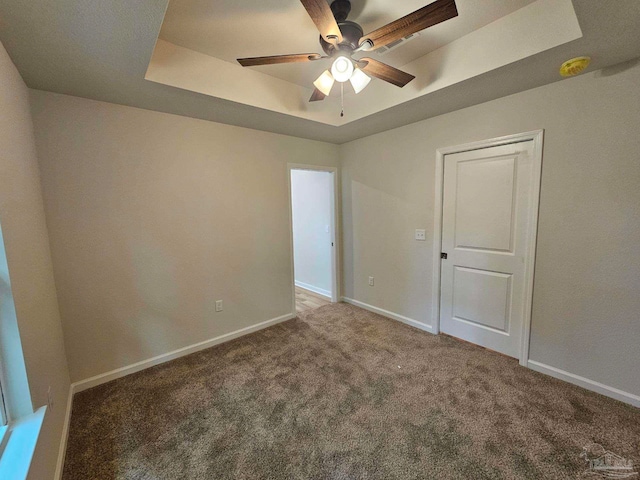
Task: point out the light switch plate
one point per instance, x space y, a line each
421 234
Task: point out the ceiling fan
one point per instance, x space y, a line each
341 38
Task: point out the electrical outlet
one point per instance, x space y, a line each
421 234
371 281
218 305
50 399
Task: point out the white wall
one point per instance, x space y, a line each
311 207
586 306
29 264
153 217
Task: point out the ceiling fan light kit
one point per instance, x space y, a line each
359 80
342 69
341 38
341 73
324 83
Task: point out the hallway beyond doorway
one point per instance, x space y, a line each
307 300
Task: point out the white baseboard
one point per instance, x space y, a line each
311 288
387 313
585 383
592 385
65 436
181 352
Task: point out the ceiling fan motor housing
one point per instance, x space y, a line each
351 31
351 35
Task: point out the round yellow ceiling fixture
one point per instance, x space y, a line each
574 66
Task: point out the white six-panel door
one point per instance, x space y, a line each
487 204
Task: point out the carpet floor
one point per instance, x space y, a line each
341 393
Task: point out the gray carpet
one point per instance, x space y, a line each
341 393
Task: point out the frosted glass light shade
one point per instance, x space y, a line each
359 80
324 82
342 69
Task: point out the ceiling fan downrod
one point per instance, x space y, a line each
341 9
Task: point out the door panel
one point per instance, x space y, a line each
486 205
482 297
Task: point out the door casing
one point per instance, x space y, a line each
335 208
537 138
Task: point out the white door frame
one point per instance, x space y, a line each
537 137
335 254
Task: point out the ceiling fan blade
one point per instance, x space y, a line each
432 14
321 14
302 57
317 96
385 72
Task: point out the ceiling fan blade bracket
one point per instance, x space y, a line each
366 45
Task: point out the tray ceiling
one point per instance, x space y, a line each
200 41
231 29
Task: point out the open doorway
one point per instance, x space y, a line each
313 230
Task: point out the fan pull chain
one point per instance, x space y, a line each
342 99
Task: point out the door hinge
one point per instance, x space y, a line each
443 255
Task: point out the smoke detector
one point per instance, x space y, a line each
574 66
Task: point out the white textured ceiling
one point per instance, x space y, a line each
100 49
231 29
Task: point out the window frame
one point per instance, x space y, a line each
4 415
4 418
4 412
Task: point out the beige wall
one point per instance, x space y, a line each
586 312
152 217
27 249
